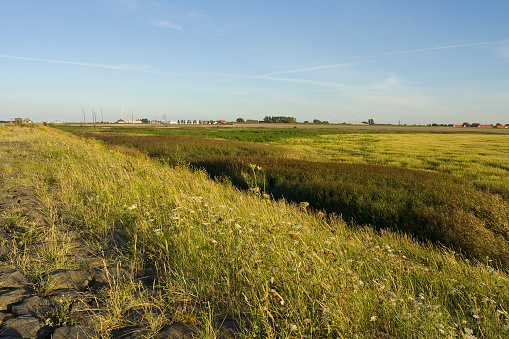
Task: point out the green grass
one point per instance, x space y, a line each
275 269
432 206
479 157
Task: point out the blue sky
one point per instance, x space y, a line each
414 62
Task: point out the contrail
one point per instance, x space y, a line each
132 68
424 49
312 68
372 55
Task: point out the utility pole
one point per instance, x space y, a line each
102 118
83 114
132 120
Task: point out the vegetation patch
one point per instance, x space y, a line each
428 205
432 206
217 255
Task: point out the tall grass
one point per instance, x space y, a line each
430 206
275 269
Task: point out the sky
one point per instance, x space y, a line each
397 62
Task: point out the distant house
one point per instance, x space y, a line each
502 126
20 121
485 126
222 122
458 125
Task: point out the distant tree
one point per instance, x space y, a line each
498 124
474 124
316 121
240 120
467 124
144 121
306 122
281 119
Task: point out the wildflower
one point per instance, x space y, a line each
252 166
255 190
469 333
303 204
293 327
373 318
307 321
133 206
213 241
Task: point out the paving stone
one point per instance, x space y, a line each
177 331
77 331
85 311
129 332
11 278
228 329
102 275
5 316
67 296
34 306
26 327
70 279
10 297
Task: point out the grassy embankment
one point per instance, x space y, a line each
275 269
453 210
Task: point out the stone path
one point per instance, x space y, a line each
68 308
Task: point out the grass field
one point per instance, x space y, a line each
479 156
455 197
273 268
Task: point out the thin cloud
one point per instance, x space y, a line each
302 81
198 15
121 67
166 24
129 4
424 49
312 68
503 51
